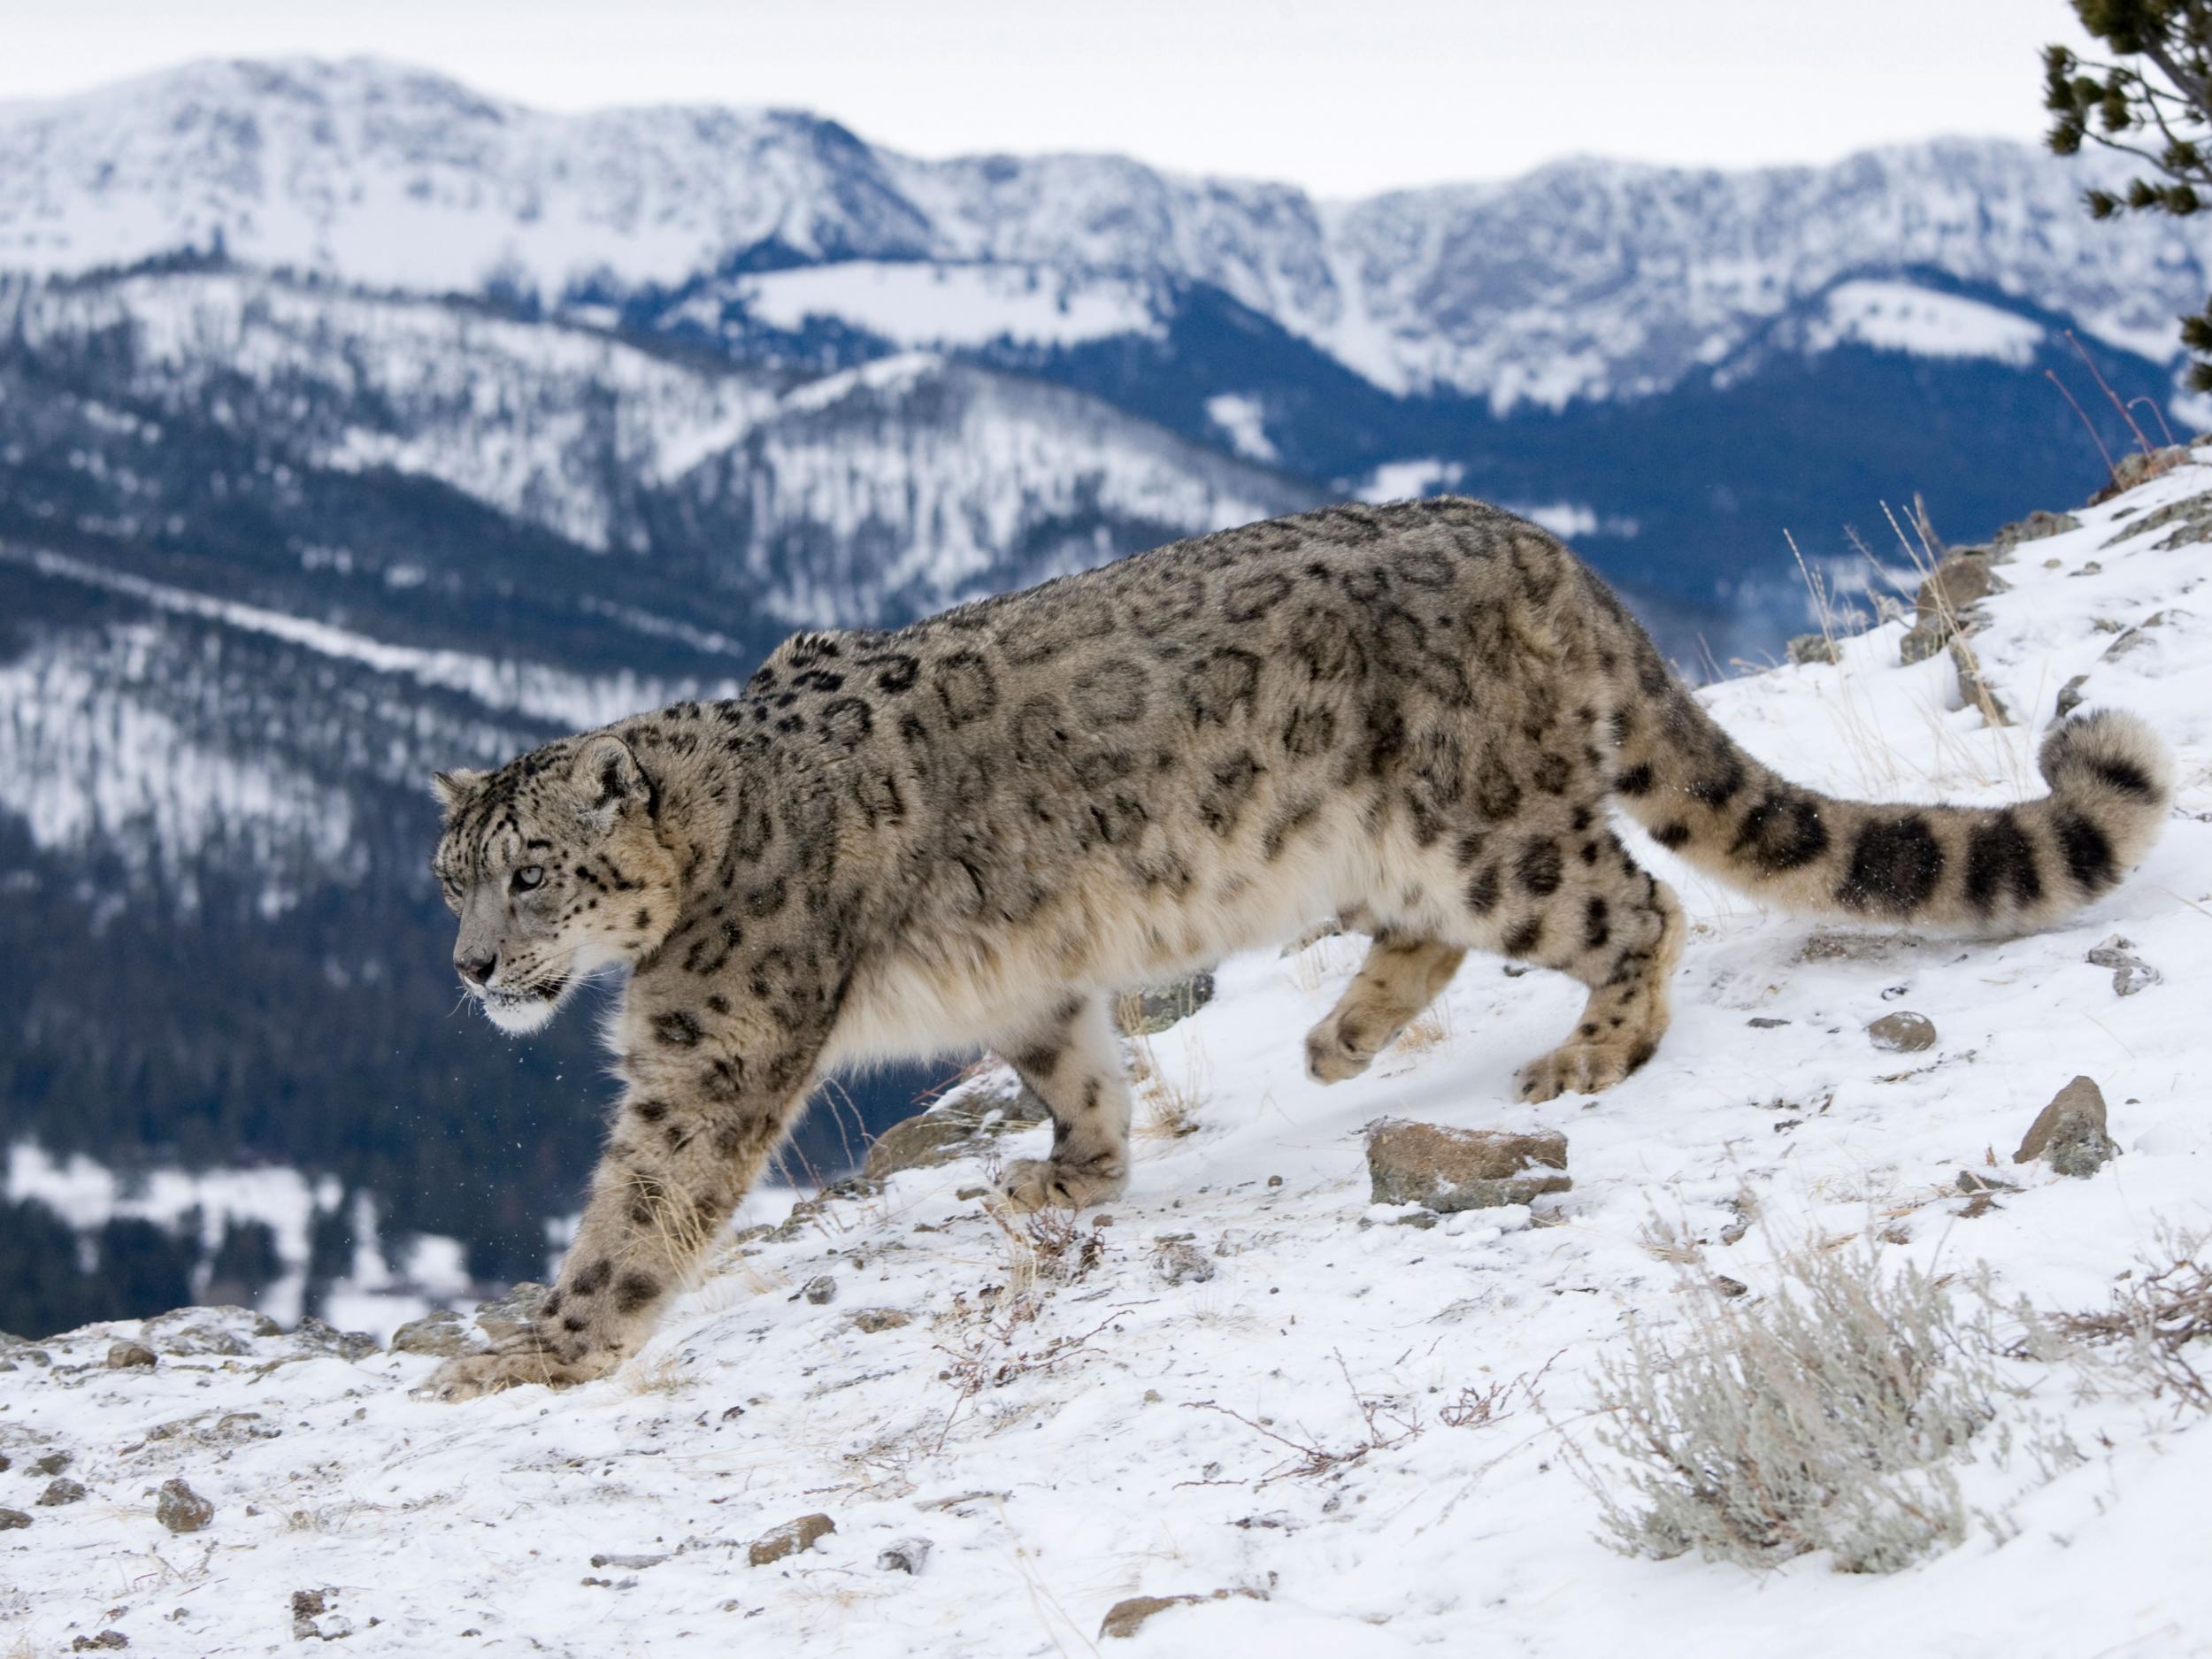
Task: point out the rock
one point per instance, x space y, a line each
1445 1170
1974 1182
1974 687
181 1509
61 1491
2130 972
53 1462
1956 582
789 1539
908 1556
1152 1010
2071 695
1812 648
1127 1617
317 1338
950 1132
226 1331
2034 527
1922 642
439 1332
1903 1033
1179 1261
874 1319
820 1289
2129 642
11 1519
131 1356
1765 1022
509 1317
106 1642
2139 466
2069 1134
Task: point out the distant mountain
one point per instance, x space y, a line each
1585 279
352 423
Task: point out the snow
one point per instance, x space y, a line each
913 303
1243 419
1903 316
1119 1468
1410 480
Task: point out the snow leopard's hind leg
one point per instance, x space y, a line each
1590 910
1070 1060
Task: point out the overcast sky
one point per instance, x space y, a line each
1344 96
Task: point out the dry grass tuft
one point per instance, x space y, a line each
1171 1099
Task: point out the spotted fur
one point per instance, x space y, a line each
978 829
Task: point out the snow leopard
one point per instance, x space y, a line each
977 830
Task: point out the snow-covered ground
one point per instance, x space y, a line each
1141 1433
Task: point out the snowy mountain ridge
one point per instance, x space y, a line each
1583 279
1250 1397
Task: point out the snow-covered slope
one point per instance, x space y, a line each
1583 278
1139 1434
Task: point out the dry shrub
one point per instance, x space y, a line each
1827 1416
2156 1322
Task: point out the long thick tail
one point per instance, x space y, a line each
1682 778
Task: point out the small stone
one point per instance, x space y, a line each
2131 977
1975 690
1150 1011
1923 641
1102 1219
820 1289
1179 1261
53 1462
439 1334
1127 1617
60 1492
11 1519
1274 1180
181 1509
2034 527
312 1334
789 1539
1974 1182
1731 1287
1446 1169
1903 1033
2130 972
874 1319
909 1555
1812 648
1766 1021
1956 582
131 1356
510 1316
2071 694
106 1642
2070 1133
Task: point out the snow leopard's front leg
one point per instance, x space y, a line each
709 1088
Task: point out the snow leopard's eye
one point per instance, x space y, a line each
529 876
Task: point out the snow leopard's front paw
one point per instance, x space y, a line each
473 1374
1042 1183
1342 1047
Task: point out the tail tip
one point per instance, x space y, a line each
2111 754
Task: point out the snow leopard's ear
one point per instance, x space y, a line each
605 777
456 789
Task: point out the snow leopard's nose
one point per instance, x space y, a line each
476 970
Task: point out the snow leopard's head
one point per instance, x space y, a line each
555 867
